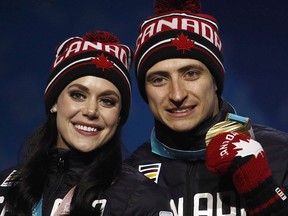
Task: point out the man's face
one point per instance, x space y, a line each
181 93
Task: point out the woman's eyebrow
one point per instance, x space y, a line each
76 85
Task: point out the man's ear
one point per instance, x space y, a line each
215 85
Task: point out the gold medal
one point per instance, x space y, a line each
243 126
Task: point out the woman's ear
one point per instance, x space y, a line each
53 109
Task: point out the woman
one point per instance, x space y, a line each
76 155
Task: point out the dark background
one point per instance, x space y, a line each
254 36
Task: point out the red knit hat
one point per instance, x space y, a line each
178 30
96 54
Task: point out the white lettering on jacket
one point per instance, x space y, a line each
101 202
209 200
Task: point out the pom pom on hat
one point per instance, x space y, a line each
95 54
178 21
164 6
100 36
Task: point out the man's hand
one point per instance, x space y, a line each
245 159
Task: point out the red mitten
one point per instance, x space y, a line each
245 159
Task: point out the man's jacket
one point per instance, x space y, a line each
196 191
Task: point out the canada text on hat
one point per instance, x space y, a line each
179 30
205 27
95 54
79 45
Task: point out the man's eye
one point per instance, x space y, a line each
157 80
191 74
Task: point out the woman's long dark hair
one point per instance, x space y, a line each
28 186
97 178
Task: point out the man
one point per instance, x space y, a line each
180 73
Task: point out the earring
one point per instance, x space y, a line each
53 109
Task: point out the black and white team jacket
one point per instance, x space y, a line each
195 191
130 195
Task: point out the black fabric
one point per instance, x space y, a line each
131 194
195 191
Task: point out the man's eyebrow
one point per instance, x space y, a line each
157 73
190 66
181 70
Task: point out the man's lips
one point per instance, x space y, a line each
181 109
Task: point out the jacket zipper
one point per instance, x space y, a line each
187 210
60 175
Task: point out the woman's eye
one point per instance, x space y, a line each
108 102
77 95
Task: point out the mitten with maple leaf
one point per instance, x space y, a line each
245 159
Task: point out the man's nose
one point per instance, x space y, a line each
178 93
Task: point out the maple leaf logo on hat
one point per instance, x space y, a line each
102 62
183 43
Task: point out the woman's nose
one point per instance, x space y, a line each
91 109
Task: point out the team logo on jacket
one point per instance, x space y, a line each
10 179
151 171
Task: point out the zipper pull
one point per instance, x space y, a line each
60 163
